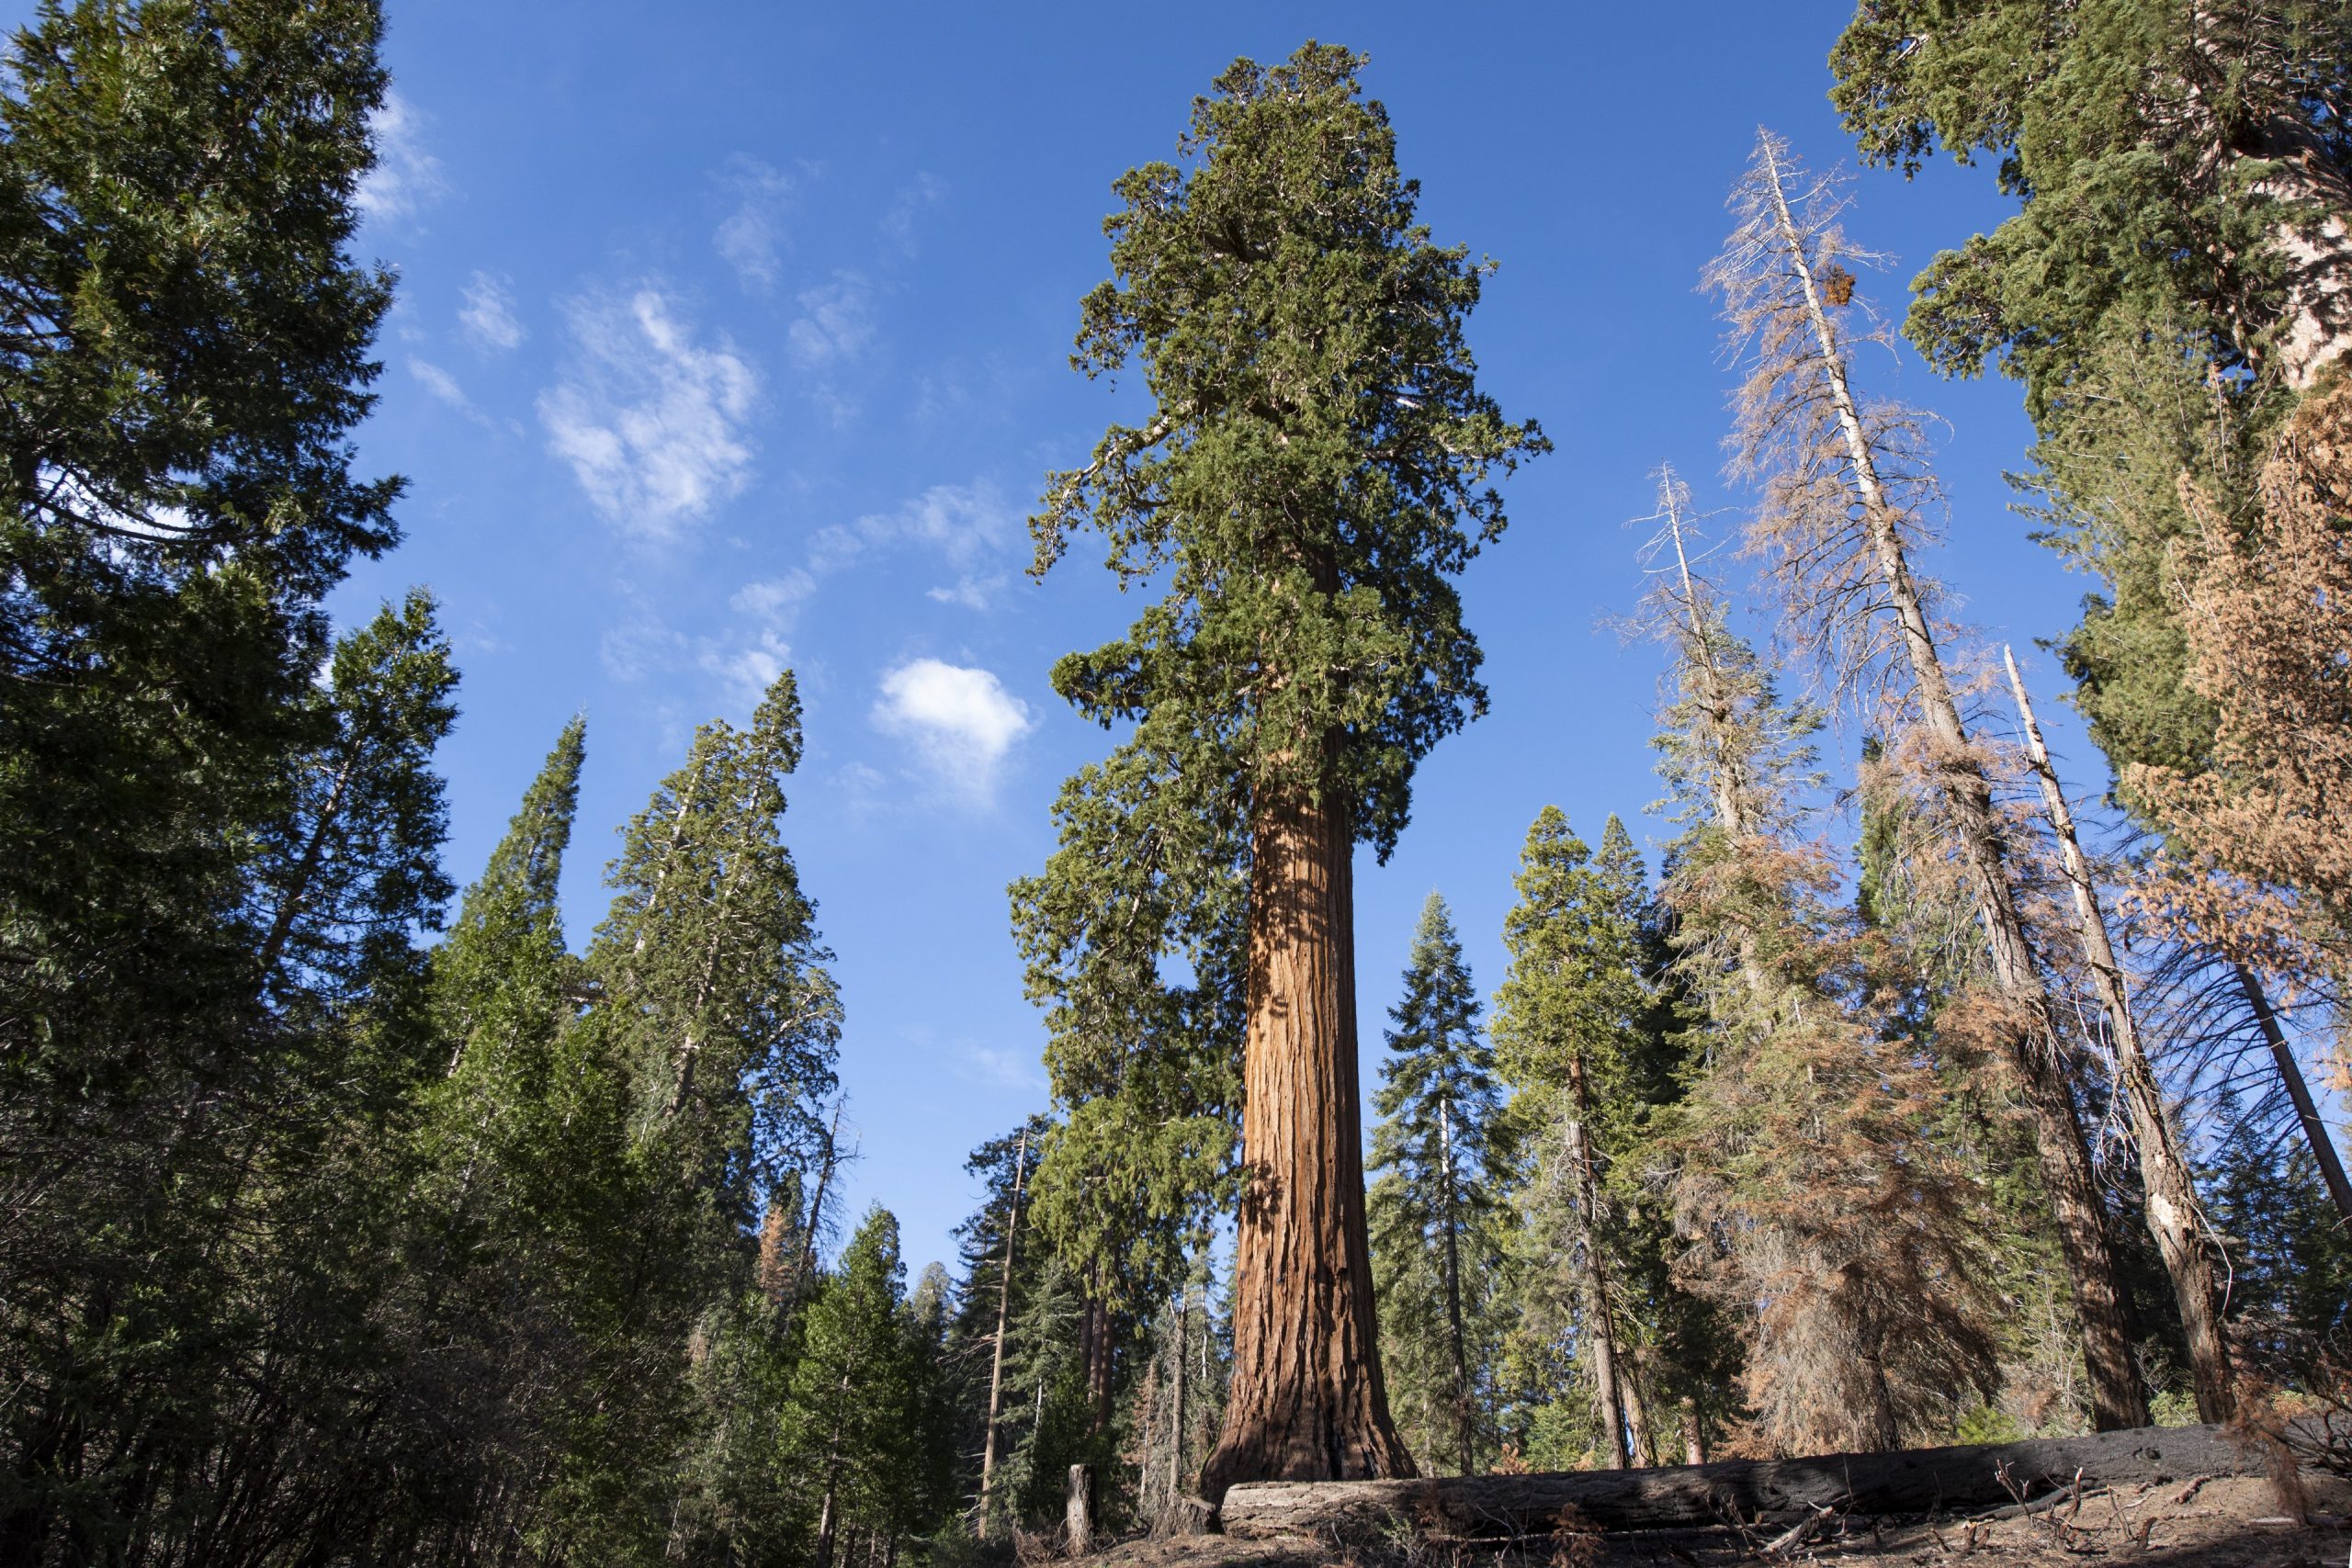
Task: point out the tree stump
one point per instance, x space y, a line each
1077 1516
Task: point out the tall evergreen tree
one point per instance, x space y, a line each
1573 1035
2190 162
1437 1201
186 355
1306 486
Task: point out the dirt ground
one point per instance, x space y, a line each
2224 1523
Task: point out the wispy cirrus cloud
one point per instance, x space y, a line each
651 421
960 722
407 178
835 323
899 222
967 526
753 237
487 316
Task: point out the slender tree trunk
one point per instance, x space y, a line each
2171 1194
298 891
1453 1286
1176 1401
1003 1309
2031 1040
1600 1323
1307 1402
2290 1075
1629 1383
1694 1433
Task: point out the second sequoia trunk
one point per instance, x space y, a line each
1306 1400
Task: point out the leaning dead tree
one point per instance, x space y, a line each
2173 1213
1843 492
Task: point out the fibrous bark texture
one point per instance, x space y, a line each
1306 1400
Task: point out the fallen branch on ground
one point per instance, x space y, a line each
1911 1481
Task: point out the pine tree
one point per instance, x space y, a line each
1575 1036
1001 1264
1436 1204
858 1398
1306 486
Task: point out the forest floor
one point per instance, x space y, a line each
2222 1523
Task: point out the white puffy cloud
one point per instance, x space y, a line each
752 238
961 722
406 178
488 314
650 422
836 322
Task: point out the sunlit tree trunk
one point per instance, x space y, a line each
1003 1308
2290 1075
1306 1400
1600 1323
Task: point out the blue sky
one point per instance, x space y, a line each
732 336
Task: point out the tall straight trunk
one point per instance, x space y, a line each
1098 1364
2171 1195
1600 1323
1694 1433
1460 1401
2290 1077
2030 1041
1307 1402
1003 1309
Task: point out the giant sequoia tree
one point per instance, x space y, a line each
1309 479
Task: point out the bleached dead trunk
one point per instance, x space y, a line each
2032 1044
2171 1196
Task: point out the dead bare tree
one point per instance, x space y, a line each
1844 489
1003 1309
2173 1217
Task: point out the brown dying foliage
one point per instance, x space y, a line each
2261 859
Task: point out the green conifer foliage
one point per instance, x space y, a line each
1437 1204
1580 1035
2177 164
1311 478
2163 292
183 355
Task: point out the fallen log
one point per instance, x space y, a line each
1903 1480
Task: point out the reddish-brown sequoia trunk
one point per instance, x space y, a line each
1306 1400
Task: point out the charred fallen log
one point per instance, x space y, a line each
1904 1481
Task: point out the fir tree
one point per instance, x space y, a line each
1573 1035
1437 1200
188 356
